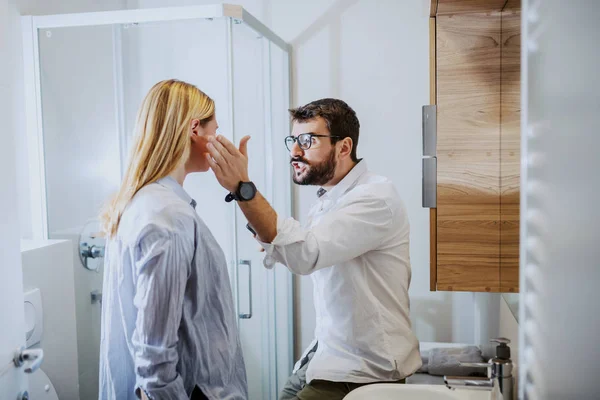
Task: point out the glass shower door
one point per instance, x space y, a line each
81 163
260 102
279 193
249 112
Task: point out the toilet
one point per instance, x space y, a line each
40 386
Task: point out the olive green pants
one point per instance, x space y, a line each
297 389
327 390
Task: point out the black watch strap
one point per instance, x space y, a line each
230 197
238 196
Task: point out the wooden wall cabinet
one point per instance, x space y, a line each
475 85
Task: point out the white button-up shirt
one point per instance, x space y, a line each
356 248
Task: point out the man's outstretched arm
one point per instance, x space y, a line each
230 166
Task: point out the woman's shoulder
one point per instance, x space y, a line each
157 209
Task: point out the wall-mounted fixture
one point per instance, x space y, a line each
91 246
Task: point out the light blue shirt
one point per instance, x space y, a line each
168 320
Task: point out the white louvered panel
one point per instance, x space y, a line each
560 200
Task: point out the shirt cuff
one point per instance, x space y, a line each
287 232
269 261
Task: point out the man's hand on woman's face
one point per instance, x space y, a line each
229 164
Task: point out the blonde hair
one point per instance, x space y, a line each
162 141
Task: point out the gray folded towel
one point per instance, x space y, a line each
425 362
446 361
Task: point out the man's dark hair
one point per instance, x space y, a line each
340 118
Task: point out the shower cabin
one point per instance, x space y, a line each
85 77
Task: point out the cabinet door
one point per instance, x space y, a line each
510 140
468 151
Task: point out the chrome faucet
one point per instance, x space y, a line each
499 381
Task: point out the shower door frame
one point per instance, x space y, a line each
35 133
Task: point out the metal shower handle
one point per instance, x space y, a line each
247 315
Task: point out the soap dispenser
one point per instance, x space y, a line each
502 350
502 365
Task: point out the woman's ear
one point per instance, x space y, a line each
195 127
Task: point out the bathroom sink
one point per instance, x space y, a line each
394 391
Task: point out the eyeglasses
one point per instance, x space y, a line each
304 140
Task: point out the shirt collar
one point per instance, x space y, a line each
171 183
346 183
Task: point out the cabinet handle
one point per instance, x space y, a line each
429 182
429 119
429 173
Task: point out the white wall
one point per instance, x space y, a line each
11 287
373 54
48 266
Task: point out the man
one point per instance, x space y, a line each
355 246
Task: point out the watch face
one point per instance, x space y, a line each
246 190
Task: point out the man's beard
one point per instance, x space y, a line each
316 174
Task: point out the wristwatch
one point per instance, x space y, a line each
245 192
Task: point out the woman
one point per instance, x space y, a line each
168 322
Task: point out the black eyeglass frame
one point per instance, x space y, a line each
296 139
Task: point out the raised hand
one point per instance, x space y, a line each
229 164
